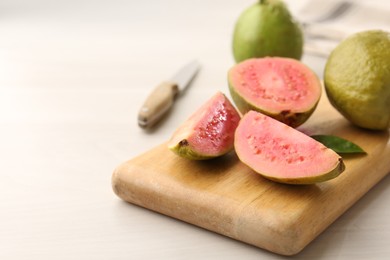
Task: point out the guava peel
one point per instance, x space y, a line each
283 154
267 28
357 79
208 132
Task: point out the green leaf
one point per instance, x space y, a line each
337 144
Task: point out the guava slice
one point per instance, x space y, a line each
209 132
283 88
283 154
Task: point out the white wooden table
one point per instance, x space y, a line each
73 75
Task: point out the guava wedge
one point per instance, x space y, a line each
283 154
283 88
207 133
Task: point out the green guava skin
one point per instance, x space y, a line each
289 118
183 149
357 79
267 29
340 167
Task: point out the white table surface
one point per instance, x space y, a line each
73 75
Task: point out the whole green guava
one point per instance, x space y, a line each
357 79
267 29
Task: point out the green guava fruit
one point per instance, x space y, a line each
357 79
267 29
282 88
283 154
209 132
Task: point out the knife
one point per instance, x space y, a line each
161 99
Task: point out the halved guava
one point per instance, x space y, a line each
282 88
283 154
209 132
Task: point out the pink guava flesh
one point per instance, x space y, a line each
209 132
276 84
282 153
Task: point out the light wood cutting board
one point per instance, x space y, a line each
225 196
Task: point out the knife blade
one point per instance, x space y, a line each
161 99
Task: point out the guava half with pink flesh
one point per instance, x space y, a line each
283 154
283 88
209 132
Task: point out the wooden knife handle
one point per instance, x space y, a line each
157 104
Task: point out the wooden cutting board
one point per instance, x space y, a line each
225 196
